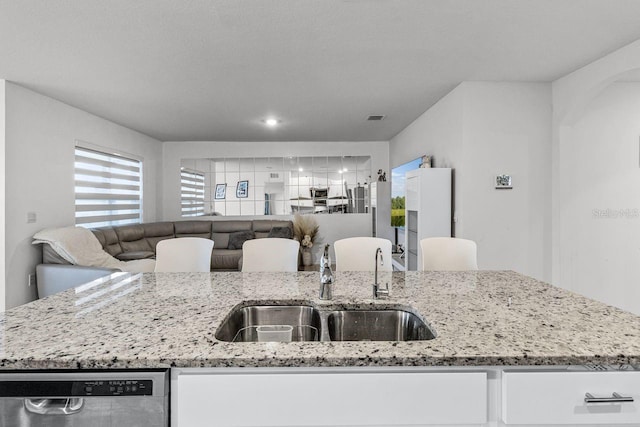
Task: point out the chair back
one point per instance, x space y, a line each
184 254
359 254
270 254
448 254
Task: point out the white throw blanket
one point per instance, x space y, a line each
80 246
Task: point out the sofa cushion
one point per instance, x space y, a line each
109 240
132 238
263 227
100 236
225 259
128 256
281 232
193 229
156 231
230 226
220 240
79 246
237 239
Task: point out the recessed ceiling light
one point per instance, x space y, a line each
271 122
300 169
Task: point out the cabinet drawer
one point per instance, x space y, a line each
326 399
559 397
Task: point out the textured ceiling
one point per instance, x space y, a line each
212 70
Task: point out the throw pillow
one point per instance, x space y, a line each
239 237
282 232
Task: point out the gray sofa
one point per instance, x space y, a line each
139 241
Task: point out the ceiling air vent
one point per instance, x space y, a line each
274 175
375 118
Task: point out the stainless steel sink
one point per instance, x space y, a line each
305 323
376 325
247 324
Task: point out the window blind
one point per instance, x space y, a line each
108 189
192 192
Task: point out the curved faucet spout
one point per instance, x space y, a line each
378 292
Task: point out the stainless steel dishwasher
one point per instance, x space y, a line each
84 398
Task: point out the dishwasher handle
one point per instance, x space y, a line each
66 406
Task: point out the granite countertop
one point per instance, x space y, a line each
170 319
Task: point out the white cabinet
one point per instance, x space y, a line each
308 397
427 210
380 193
558 398
487 396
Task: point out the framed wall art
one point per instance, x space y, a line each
221 191
242 189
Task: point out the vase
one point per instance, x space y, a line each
306 257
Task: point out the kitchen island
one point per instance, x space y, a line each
485 322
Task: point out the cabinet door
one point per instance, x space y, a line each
412 189
559 398
328 399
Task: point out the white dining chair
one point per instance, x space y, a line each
448 254
184 254
270 254
359 254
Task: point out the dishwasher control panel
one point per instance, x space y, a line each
76 388
115 388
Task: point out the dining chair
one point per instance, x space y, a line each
448 254
359 254
184 254
270 254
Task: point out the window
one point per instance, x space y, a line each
191 192
108 189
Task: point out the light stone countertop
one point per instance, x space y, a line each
170 319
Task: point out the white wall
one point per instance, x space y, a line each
439 133
599 199
573 92
332 227
507 129
579 103
40 138
2 193
482 129
571 95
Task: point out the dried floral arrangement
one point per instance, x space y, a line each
305 229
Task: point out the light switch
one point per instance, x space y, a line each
31 217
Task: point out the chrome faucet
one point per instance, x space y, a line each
326 275
378 292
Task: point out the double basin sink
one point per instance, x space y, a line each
307 323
